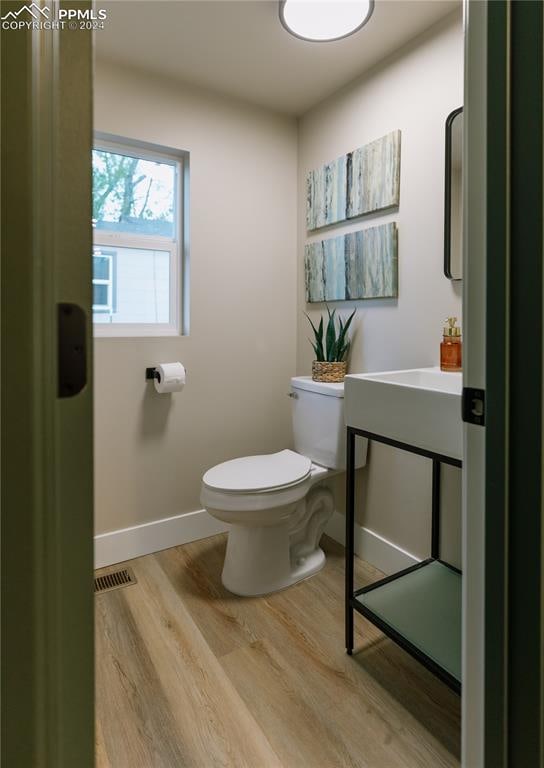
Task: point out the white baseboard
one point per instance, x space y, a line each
128 543
372 547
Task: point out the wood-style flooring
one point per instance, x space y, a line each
190 676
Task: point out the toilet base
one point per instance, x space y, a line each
261 559
251 569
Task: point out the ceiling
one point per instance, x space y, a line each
238 47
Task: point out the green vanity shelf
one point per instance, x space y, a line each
420 608
423 605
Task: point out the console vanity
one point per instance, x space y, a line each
419 608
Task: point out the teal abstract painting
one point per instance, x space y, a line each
326 194
334 269
314 264
363 181
373 176
359 265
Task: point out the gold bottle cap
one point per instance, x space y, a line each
451 329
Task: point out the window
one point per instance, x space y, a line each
103 290
138 228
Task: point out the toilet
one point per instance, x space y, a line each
277 505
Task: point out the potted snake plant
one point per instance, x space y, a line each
331 345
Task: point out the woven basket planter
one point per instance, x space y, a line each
331 372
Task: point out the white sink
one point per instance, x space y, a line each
419 407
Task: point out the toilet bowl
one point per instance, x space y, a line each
277 505
268 502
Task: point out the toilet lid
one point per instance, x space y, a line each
258 473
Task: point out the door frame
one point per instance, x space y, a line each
47 631
46 442
503 314
474 375
520 399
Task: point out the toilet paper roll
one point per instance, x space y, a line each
170 378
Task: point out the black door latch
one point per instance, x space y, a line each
473 406
72 357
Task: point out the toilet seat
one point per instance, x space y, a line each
259 474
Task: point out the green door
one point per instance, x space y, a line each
46 396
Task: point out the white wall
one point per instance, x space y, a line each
415 91
150 450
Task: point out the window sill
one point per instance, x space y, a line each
136 331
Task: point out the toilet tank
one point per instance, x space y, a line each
318 423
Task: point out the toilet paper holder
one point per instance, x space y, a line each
167 377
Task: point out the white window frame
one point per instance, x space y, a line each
177 324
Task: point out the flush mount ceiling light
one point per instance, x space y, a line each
324 20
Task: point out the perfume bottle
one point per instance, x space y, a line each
450 348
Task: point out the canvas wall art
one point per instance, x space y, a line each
326 194
359 265
360 182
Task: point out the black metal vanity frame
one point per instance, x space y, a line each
351 602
